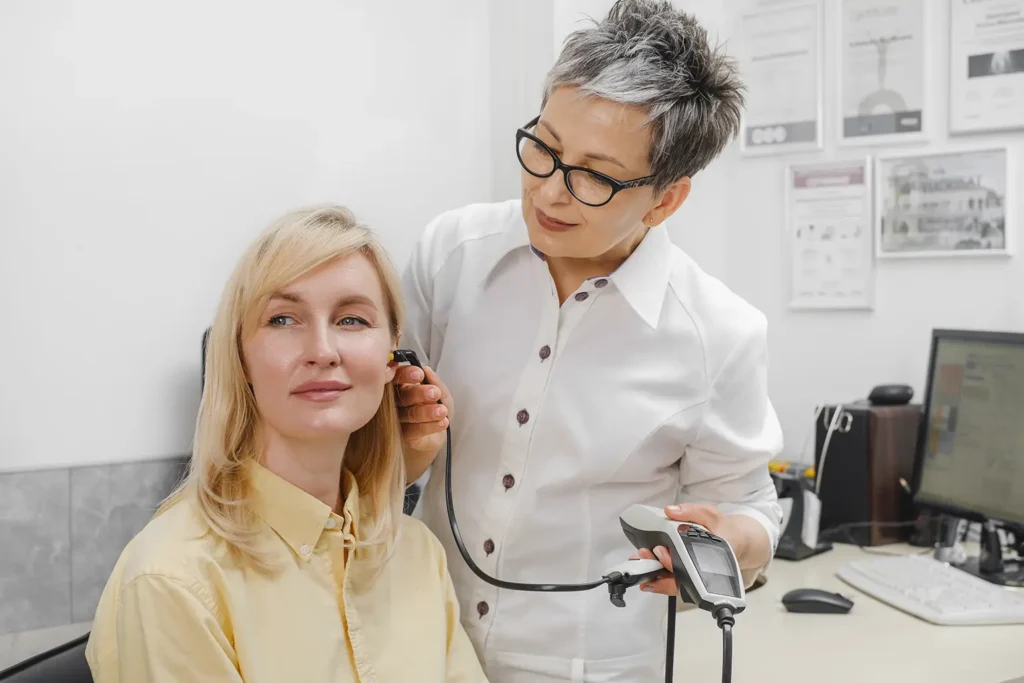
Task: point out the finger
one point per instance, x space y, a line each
705 515
430 412
664 556
646 554
408 374
435 379
418 394
420 430
665 586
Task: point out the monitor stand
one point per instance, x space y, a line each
990 565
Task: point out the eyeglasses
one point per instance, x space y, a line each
588 186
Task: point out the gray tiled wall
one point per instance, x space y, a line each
61 531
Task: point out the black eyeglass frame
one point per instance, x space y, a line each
616 185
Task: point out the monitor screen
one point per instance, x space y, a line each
973 448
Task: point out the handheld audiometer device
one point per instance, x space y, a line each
704 566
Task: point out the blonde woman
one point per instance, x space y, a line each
284 557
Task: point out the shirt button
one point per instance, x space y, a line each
545 351
508 481
601 283
482 608
488 546
522 417
581 296
304 550
330 523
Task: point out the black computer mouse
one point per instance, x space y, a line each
816 601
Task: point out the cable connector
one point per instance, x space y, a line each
630 573
724 616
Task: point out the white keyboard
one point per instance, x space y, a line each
936 592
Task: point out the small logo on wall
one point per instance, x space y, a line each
769 135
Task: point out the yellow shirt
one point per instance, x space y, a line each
178 609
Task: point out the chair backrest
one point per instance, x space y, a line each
63 664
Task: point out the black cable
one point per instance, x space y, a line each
510 585
670 644
723 615
410 357
726 653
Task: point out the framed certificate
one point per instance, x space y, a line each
883 71
986 65
780 55
829 229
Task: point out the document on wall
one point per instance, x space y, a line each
882 70
780 62
986 68
828 221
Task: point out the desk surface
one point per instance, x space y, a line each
873 643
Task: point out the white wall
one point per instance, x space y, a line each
145 144
522 51
839 356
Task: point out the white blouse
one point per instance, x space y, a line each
648 386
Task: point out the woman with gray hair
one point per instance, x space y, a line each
588 363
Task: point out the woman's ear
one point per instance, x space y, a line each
392 367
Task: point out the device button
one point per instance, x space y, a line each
488 546
545 351
508 481
581 296
601 283
482 608
522 417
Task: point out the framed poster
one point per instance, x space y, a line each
938 204
883 71
829 228
781 63
986 65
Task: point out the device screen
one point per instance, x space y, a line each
715 568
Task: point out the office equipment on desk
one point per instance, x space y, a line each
969 464
816 601
891 395
798 539
872 642
862 451
934 591
971 448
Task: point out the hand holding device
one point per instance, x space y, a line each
424 408
703 565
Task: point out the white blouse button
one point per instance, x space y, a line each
304 550
331 523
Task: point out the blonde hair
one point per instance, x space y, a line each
227 443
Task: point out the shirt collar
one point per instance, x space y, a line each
642 278
296 516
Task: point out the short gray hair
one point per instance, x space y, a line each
647 53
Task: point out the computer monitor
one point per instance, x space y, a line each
970 461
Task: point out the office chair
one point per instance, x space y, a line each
63 664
